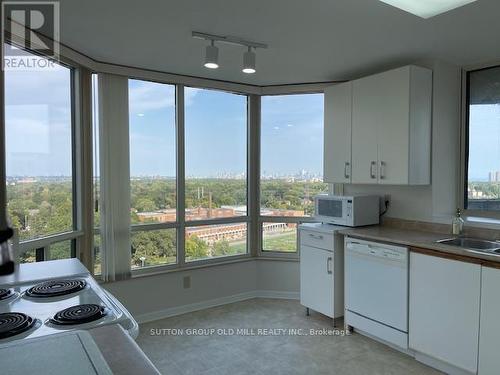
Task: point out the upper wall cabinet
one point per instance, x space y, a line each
388 116
337 137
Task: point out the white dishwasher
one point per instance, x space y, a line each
376 290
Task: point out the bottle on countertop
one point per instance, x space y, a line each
458 223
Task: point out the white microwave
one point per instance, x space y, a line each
351 211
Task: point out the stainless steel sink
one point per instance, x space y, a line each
474 244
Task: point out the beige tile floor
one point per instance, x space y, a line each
220 354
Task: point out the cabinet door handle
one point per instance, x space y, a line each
346 169
373 169
329 265
382 169
317 237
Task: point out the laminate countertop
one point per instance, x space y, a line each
422 242
123 355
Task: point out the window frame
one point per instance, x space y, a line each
181 224
280 91
462 191
229 220
42 245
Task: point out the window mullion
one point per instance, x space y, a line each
181 175
253 167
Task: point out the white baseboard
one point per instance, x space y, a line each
184 309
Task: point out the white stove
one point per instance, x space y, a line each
39 308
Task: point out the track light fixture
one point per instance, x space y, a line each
249 61
212 52
211 56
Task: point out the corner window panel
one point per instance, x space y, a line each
39 156
291 154
152 152
216 154
483 169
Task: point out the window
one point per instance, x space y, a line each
291 165
216 172
483 141
152 172
39 159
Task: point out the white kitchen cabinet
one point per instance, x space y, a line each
337 136
366 105
444 310
316 279
489 337
390 128
321 269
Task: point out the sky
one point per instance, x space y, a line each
484 141
38 130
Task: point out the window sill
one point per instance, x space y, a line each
482 222
278 257
171 268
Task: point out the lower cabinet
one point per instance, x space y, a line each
444 310
489 338
316 279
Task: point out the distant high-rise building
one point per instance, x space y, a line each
494 176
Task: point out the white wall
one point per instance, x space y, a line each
157 296
438 201
278 278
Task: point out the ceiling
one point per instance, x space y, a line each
309 40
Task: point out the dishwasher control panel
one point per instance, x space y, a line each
375 249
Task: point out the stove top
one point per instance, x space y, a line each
52 306
79 314
14 323
6 293
54 288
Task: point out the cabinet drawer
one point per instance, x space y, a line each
316 239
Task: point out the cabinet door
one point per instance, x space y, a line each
365 109
316 279
489 338
337 136
393 126
444 310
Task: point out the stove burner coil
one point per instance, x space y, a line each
54 288
5 293
14 323
78 314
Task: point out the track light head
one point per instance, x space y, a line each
249 61
211 56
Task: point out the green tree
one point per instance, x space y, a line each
196 248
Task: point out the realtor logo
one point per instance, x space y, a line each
31 28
